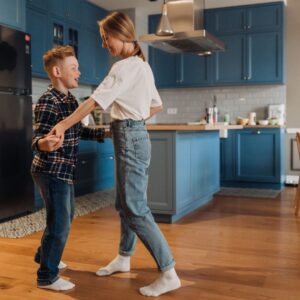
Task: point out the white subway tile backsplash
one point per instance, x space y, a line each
191 102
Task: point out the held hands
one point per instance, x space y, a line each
59 131
49 143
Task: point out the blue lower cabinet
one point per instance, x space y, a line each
13 14
253 158
184 172
106 174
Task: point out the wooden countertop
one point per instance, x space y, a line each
186 127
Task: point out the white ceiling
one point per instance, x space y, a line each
155 7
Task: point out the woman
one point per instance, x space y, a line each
130 89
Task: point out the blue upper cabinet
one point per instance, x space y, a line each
242 19
264 17
253 36
38 4
90 15
70 10
163 64
230 65
222 21
12 13
40 42
177 70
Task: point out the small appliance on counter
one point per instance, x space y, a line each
277 111
252 118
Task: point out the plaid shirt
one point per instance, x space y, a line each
52 107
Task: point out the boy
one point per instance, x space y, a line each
54 163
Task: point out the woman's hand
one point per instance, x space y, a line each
59 131
49 143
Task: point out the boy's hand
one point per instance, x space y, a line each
49 143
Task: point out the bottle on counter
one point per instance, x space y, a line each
215 114
227 118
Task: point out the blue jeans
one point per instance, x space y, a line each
133 153
59 202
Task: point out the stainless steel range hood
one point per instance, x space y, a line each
186 38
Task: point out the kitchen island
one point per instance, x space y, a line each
185 168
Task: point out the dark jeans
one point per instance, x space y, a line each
59 202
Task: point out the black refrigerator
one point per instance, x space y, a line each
16 186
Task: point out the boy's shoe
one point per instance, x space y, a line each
58 285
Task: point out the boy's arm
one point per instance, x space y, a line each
96 134
45 119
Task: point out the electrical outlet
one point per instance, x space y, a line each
172 111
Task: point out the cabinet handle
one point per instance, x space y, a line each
249 27
111 157
245 27
249 77
83 162
245 78
258 132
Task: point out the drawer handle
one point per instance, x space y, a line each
111 157
258 132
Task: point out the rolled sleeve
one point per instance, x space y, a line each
113 85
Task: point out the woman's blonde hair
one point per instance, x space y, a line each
120 26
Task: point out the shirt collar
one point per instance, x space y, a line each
61 96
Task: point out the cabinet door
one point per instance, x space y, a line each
230 65
161 173
265 57
163 64
90 15
106 174
12 13
258 155
93 59
37 27
265 17
86 174
39 4
67 9
195 70
225 20
228 155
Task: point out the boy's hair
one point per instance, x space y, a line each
56 54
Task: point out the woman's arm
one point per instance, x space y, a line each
83 110
154 110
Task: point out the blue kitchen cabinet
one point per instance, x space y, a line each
227 158
38 4
91 14
259 155
177 70
93 59
242 19
184 172
230 66
253 158
254 44
106 165
40 43
12 14
68 10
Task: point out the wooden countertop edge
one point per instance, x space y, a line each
192 127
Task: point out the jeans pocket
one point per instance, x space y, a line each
142 146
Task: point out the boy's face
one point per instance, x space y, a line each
69 72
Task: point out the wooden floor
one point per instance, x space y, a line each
234 249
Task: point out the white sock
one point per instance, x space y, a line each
168 281
119 264
58 285
62 265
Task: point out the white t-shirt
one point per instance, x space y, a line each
130 88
